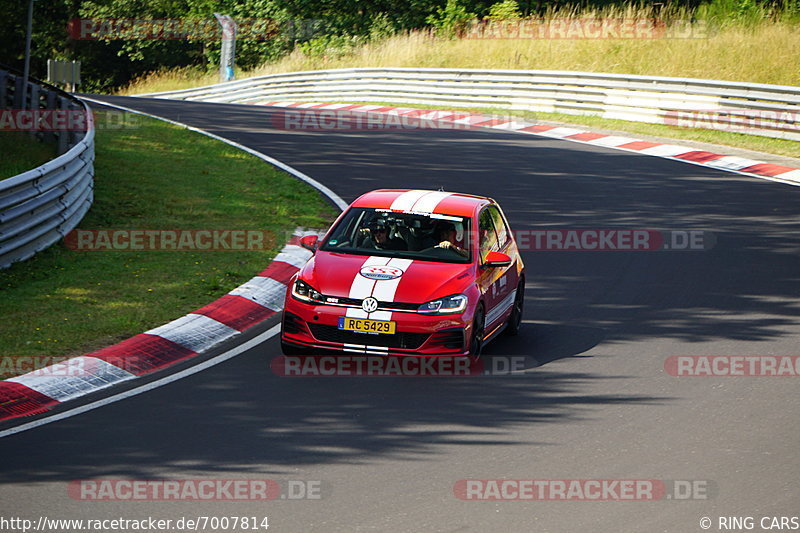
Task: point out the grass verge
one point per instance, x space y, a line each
151 175
19 152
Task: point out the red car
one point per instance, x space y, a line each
407 273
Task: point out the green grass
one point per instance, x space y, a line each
20 152
152 176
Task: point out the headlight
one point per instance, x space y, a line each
444 306
305 292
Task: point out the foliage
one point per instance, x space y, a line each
450 20
318 28
505 10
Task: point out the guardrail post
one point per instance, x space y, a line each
64 136
19 82
3 89
34 105
51 102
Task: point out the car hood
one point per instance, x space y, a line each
340 275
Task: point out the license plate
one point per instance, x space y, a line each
364 325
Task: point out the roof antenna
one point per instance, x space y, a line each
441 189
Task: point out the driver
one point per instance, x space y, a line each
445 233
378 232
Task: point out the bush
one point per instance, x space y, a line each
505 10
330 45
451 20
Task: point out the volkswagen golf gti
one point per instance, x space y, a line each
407 273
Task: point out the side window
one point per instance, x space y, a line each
499 226
488 236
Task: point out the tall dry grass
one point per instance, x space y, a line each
764 50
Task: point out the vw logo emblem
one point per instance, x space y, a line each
369 304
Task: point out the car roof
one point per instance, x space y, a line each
423 201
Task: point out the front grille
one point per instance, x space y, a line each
408 341
356 302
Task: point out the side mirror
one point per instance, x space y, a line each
310 242
496 259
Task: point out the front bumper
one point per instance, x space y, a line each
315 328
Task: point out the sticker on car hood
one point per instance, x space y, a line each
381 273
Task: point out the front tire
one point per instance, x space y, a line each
515 319
291 349
476 338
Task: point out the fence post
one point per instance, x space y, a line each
34 105
64 136
19 82
51 103
3 89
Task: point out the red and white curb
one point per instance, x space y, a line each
188 336
749 167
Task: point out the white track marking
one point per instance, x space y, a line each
263 291
221 358
73 378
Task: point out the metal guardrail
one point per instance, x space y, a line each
752 108
40 206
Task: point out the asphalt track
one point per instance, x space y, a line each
594 403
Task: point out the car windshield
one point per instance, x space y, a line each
426 236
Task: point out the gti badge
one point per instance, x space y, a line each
369 304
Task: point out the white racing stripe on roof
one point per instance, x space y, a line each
406 200
74 377
428 202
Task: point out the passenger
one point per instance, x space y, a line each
446 235
379 238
